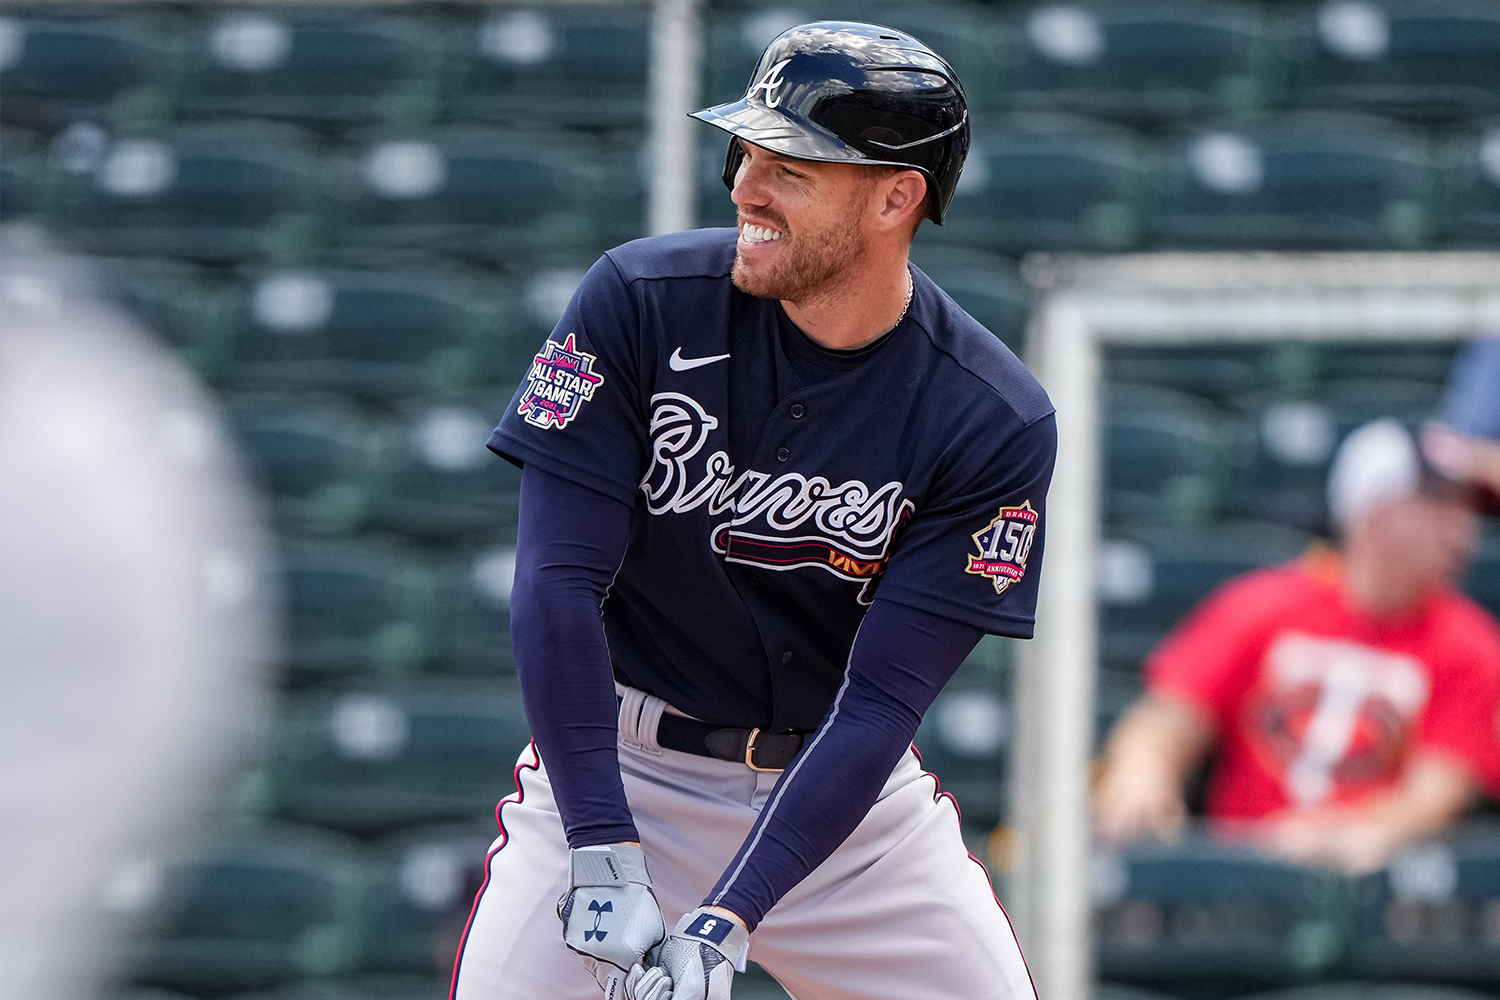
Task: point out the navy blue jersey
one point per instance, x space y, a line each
770 509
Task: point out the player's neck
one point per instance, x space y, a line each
858 311
1372 587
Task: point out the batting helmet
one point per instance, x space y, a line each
848 92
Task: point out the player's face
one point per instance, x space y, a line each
1423 540
800 224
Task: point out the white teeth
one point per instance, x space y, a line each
758 234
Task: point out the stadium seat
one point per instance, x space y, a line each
217 192
252 910
1425 59
1199 913
1473 186
1115 991
318 458
374 760
444 483
356 609
1212 371
54 67
987 287
478 193
1372 991
1149 582
177 301
1483 583
474 594
1310 181
580 65
375 987
424 886
964 739
1433 914
1143 63
22 175
322 67
1164 457
1046 182
384 333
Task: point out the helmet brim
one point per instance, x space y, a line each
779 133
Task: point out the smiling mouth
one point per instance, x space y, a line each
752 234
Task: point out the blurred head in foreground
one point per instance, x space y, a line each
132 632
1349 696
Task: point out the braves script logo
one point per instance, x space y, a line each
562 380
770 84
780 522
1004 545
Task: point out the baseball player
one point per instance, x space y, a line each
777 485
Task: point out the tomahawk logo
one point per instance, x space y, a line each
599 910
770 84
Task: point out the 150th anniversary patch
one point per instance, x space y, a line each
561 380
1004 544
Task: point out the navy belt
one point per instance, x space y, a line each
755 748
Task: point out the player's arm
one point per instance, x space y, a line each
570 543
1151 752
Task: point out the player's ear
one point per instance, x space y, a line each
903 195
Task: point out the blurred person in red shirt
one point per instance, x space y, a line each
1350 695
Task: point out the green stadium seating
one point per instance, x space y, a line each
987 287
1372 991
318 458
1310 181
376 987
1472 186
1143 63
424 887
57 63
1114 991
324 67
475 192
217 192
1165 457
179 302
1046 182
444 483
964 739
1483 583
356 609
1425 59
253 910
377 759
384 333
581 65
474 594
22 180
1433 914
1184 917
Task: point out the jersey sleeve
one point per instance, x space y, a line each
975 556
1463 707
578 413
1472 404
1210 657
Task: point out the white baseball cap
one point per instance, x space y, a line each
1377 463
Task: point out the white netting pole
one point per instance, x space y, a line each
676 58
1055 688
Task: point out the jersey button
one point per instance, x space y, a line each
782 454
796 411
786 657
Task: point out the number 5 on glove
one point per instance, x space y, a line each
697 962
609 913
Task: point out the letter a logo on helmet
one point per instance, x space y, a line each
849 92
771 84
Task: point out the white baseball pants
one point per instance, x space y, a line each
900 911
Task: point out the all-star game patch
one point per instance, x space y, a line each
1004 544
561 380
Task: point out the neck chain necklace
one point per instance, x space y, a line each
904 308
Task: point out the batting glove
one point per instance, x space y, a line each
609 913
697 962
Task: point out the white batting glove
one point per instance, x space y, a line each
697 962
609 913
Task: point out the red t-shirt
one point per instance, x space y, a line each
1316 703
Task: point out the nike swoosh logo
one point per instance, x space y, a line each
678 363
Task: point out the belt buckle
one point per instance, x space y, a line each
750 753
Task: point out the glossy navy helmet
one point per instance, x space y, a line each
847 92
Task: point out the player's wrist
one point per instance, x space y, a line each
725 911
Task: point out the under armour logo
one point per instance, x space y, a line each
771 83
600 909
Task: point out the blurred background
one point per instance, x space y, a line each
357 222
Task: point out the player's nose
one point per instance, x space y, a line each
748 188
